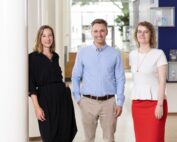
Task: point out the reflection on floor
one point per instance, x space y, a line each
125 131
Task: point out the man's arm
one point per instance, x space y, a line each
120 81
76 77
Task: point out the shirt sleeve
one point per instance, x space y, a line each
120 81
162 59
32 83
76 76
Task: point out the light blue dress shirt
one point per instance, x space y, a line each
101 72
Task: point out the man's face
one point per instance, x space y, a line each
99 33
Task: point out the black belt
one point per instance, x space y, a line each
101 98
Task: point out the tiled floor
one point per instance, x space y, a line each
125 131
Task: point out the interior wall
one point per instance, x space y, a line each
168 35
34 21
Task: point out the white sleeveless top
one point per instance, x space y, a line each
146 80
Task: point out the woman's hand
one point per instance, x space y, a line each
159 111
40 114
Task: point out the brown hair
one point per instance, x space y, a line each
99 21
38 45
151 29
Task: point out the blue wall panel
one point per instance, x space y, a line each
168 35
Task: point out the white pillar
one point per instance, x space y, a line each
44 12
62 29
67 28
13 72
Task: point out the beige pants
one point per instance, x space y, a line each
91 111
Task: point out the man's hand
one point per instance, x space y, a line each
118 111
78 103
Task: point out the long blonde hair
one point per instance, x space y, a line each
38 44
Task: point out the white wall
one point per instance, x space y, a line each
34 21
171 93
139 11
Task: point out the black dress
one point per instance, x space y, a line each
45 81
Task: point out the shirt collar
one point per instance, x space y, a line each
99 49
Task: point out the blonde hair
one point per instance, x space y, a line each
151 29
38 44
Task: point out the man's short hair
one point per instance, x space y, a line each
99 21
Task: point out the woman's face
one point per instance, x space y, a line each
143 35
46 38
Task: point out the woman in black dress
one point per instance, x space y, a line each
51 98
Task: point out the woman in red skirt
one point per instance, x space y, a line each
149 68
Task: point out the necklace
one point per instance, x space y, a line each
140 62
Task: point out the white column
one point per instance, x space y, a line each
59 31
62 28
144 10
13 72
44 12
67 28
51 13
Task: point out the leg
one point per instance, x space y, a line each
89 112
108 120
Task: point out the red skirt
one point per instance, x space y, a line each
147 128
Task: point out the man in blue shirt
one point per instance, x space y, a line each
101 95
